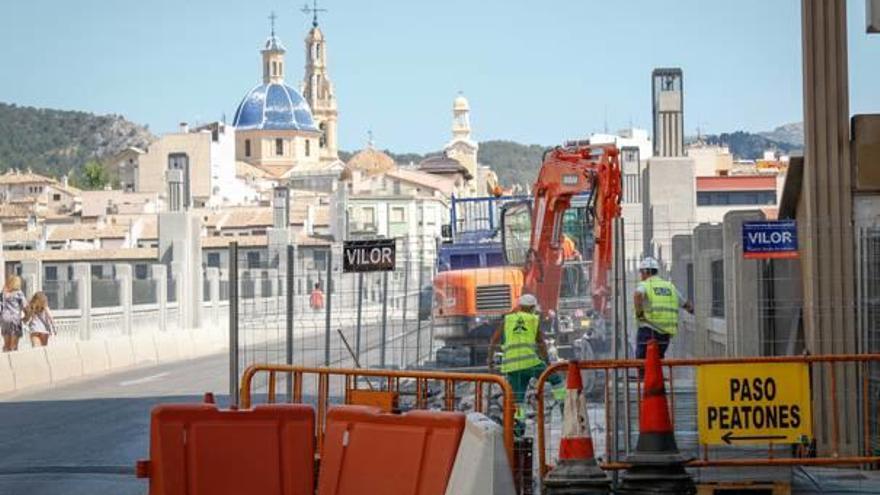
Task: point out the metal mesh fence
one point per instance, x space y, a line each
295 305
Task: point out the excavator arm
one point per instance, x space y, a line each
567 172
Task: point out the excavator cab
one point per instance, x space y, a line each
516 229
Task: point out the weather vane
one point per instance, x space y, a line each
314 11
272 18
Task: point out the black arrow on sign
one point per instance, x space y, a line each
729 438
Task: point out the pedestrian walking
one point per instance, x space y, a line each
12 303
316 299
38 320
657 303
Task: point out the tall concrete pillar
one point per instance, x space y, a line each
123 278
213 274
177 273
159 275
825 215
82 275
744 303
180 242
32 275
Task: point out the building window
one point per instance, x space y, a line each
50 273
322 141
274 69
247 147
280 68
368 217
397 187
736 198
97 272
141 271
253 259
717 268
214 260
279 146
308 147
56 197
690 281
398 214
318 51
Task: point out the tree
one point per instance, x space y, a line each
95 176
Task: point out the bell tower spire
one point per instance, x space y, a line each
317 88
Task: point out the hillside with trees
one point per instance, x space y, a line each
59 142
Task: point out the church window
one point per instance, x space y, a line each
308 147
322 141
317 51
279 146
274 68
280 68
267 70
247 147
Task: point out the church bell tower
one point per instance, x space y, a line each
318 90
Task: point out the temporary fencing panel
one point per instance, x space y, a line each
197 449
392 454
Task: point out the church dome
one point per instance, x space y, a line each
444 165
273 106
370 161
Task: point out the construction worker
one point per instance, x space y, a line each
657 302
524 349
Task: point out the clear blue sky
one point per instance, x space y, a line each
535 72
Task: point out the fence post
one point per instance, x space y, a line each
82 274
290 296
213 274
233 323
403 332
360 304
419 309
124 279
159 274
384 319
329 306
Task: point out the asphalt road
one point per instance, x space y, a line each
84 437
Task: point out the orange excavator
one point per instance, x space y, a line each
576 196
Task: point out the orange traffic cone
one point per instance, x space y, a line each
577 471
657 467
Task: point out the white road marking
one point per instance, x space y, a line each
145 379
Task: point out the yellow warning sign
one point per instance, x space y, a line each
753 403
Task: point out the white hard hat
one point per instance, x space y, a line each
528 300
649 263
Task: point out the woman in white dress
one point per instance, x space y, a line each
39 320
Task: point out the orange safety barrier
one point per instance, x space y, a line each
367 451
350 379
197 449
827 363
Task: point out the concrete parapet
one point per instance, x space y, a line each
64 361
167 347
144 348
30 367
7 379
94 356
120 352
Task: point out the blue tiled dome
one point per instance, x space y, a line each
274 106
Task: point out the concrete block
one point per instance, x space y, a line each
207 342
481 465
94 356
120 352
167 348
30 367
7 380
64 361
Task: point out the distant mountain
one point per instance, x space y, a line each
56 142
786 139
789 133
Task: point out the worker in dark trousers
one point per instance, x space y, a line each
657 303
524 351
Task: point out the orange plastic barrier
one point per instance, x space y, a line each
197 449
368 452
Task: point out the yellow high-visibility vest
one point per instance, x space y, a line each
662 308
520 342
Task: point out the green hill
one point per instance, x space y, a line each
57 142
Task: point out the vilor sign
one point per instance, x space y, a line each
369 256
755 403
